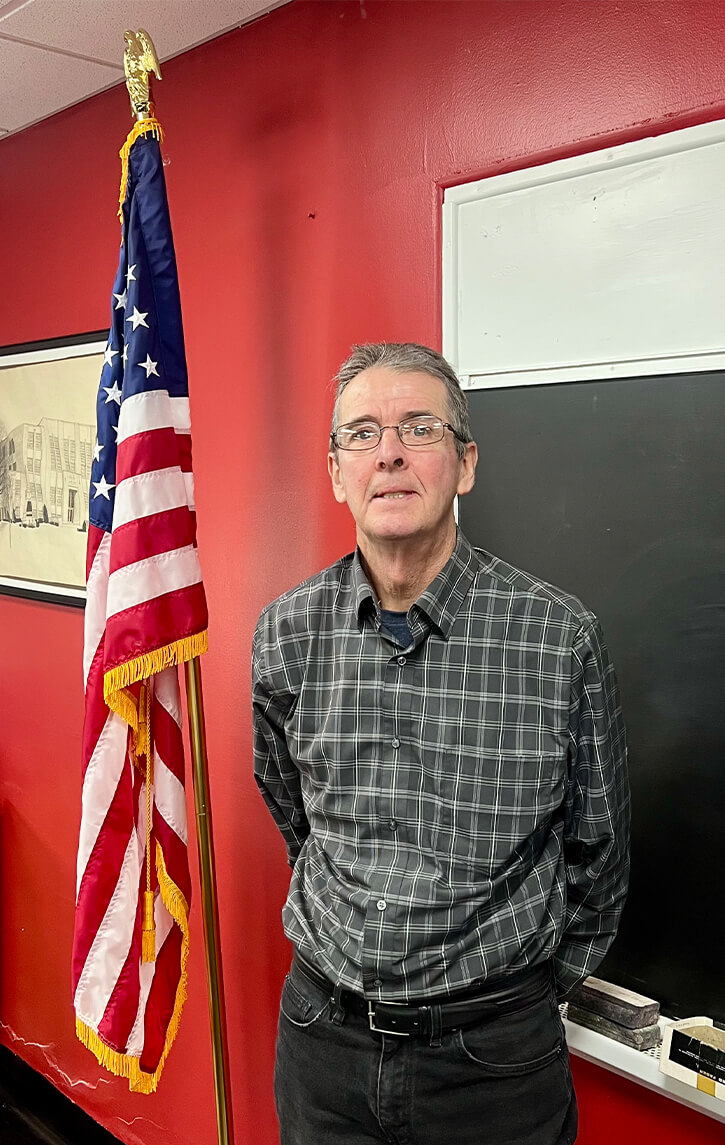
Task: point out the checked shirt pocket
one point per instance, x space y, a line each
302 1002
514 1044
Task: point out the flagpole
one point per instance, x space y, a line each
138 61
212 946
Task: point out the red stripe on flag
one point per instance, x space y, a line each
149 536
102 870
168 740
143 452
96 712
155 623
160 1004
175 856
183 440
95 536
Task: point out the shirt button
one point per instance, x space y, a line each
401 660
393 824
381 904
396 742
377 982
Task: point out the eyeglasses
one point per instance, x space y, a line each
415 431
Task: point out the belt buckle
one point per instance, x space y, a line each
377 1029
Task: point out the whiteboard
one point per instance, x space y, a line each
609 264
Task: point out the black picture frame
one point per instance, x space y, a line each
45 464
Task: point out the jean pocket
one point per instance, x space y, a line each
514 1044
302 1002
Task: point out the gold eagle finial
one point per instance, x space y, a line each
139 59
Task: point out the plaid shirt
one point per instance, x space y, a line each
452 810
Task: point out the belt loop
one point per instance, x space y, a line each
436 1025
337 1013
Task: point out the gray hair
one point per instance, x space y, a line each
407 358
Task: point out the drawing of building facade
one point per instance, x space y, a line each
45 471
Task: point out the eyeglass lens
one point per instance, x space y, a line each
366 435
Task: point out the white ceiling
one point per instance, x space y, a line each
54 53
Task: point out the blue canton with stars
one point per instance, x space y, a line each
145 348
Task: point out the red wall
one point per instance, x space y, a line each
306 155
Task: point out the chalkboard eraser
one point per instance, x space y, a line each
633 1011
642 1038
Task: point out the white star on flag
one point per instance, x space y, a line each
109 356
121 299
125 353
102 488
97 451
130 276
114 394
138 319
149 366
115 430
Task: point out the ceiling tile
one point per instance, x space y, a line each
94 28
35 83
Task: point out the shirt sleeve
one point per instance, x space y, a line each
275 772
597 813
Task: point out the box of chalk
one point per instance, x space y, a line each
693 1051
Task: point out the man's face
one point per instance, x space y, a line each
395 492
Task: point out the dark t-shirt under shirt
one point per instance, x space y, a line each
396 623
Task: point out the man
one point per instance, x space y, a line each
438 737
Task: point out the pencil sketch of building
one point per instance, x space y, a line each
45 471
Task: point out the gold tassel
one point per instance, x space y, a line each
143 127
142 737
148 934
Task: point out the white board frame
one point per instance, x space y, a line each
474 375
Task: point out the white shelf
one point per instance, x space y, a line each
643 1068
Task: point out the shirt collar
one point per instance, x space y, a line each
443 597
363 595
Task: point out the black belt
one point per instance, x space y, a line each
449 1012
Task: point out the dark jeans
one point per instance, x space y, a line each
503 1081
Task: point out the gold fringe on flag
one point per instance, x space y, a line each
142 127
117 681
123 1065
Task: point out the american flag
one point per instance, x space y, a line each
145 613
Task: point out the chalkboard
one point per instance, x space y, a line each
615 491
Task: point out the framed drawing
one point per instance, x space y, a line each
47 432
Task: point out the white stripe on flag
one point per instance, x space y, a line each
149 493
167 692
103 773
111 944
169 798
95 618
152 577
181 415
153 409
189 483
